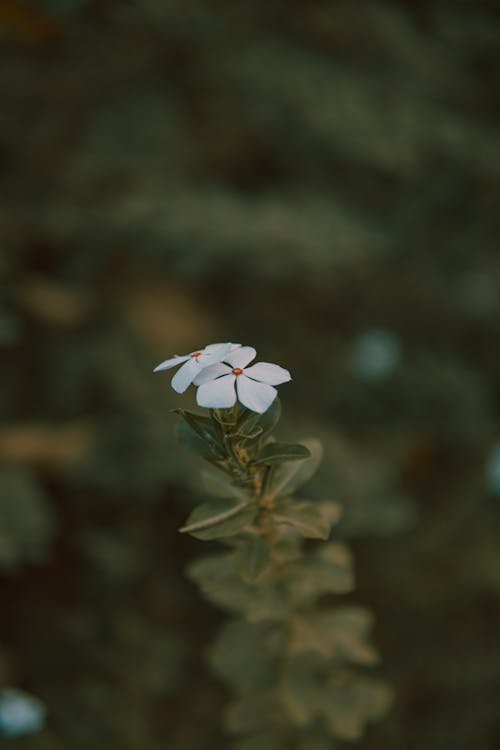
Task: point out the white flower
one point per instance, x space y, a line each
219 383
195 363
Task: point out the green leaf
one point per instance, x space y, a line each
219 518
188 438
300 691
304 516
250 434
252 557
346 629
219 582
270 418
219 484
207 432
246 655
351 700
218 579
330 510
248 424
273 453
339 634
191 440
200 424
288 477
328 571
287 546
225 417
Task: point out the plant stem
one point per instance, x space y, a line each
226 437
266 478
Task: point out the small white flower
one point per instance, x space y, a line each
194 363
219 383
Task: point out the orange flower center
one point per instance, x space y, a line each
237 371
195 355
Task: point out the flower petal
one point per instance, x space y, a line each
240 357
210 348
255 396
265 372
213 353
185 375
172 362
217 394
211 372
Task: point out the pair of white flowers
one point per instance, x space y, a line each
221 374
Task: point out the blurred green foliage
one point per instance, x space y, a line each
288 659
294 175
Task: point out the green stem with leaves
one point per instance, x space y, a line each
288 653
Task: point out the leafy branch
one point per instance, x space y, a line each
290 654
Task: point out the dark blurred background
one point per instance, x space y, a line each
318 179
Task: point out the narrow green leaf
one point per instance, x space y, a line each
203 429
251 434
226 417
273 453
252 557
218 518
270 418
248 424
288 477
304 516
188 438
